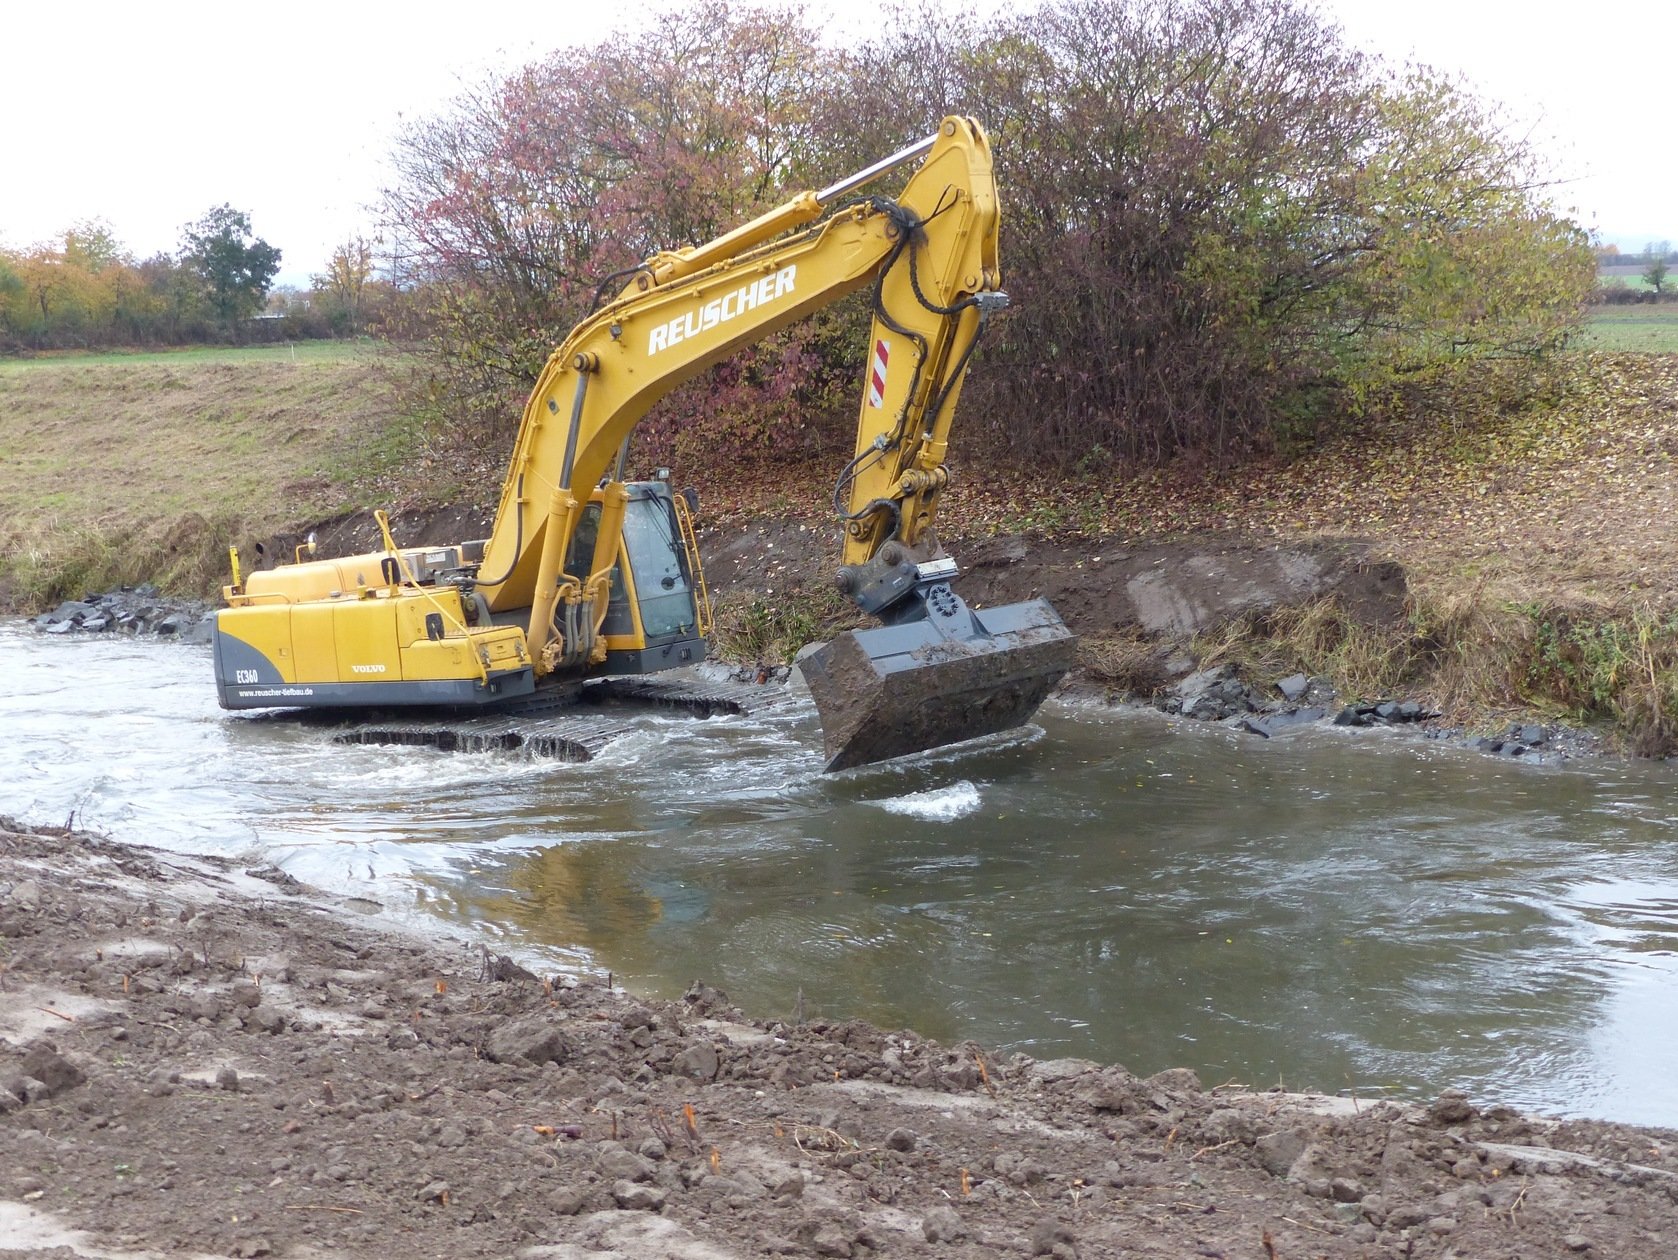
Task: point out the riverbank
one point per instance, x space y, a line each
1497 549
203 1058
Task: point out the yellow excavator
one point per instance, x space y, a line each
585 575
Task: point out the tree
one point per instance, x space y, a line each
1221 223
12 294
345 280
235 267
1655 272
93 246
517 202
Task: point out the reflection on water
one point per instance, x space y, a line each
1338 910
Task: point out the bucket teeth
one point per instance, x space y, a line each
896 690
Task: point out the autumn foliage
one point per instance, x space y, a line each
1222 224
85 289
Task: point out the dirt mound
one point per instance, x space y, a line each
202 1059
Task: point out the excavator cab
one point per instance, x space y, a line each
658 610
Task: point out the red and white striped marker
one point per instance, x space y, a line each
877 376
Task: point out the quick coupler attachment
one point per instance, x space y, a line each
939 674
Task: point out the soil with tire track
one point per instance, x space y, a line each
200 1059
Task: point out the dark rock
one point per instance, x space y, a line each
1345 1190
1295 717
568 1200
74 611
1387 711
1451 1107
51 1069
1112 1090
900 1139
433 1192
1177 1080
227 1078
1293 687
698 1061
1203 680
943 1224
270 1021
1534 735
533 1039
1406 1217
617 1164
26 895
1051 1238
1278 1151
1352 715
831 1240
635 1197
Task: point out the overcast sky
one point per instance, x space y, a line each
148 115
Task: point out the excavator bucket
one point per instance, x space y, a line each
950 675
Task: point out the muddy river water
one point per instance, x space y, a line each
1350 911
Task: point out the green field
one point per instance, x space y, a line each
1652 329
289 352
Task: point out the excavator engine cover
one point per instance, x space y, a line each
949 675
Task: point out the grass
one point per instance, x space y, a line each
1648 328
118 468
753 629
299 352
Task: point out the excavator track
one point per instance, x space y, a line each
574 729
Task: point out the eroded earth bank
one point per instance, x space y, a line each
203 1059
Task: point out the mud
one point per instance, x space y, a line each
198 1059
1173 589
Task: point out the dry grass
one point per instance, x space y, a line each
1319 638
1126 661
753 629
121 472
